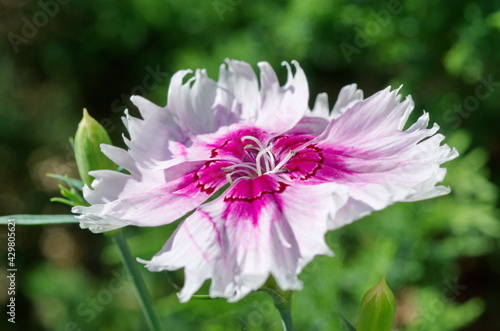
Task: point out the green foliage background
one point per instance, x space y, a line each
94 53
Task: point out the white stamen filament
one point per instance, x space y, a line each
271 160
257 141
245 171
264 156
259 155
245 165
231 181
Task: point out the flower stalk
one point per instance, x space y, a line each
136 278
282 301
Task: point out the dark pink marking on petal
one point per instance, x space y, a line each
319 164
306 163
228 146
207 178
283 144
214 153
232 146
253 189
248 197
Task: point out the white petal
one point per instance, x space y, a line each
349 212
315 121
121 157
348 96
378 162
194 246
192 103
148 137
321 106
131 202
282 107
222 242
239 89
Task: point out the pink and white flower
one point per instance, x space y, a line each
290 174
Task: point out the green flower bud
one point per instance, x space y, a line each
89 136
377 309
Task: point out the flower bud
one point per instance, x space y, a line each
89 136
377 309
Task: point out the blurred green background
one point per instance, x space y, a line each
441 257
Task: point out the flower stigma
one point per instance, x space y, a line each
264 162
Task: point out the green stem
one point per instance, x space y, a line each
142 292
282 301
286 318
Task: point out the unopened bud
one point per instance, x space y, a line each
89 136
377 309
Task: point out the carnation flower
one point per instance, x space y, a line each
288 174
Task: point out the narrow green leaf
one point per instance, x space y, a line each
350 327
71 182
65 192
282 301
38 219
73 195
63 201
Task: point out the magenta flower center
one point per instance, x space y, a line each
261 161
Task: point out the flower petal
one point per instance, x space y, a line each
192 109
321 106
348 96
316 121
271 107
256 229
193 104
148 137
239 89
111 185
282 108
366 150
160 205
225 144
